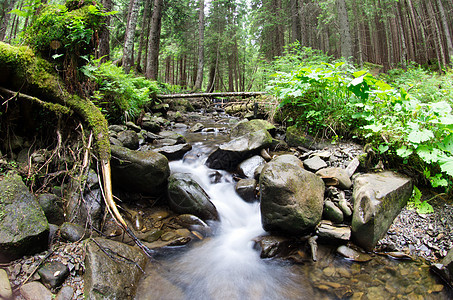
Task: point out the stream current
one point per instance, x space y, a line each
226 265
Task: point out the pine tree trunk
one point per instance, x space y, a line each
143 32
129 36
345 34
303 25
200 65
446 30
6 16
152 64
104 34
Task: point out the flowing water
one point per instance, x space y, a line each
226 266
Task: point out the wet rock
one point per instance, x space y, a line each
445 268
53 274
72 232
151 236
92 181
229 155
327 231
353 255
151 124
194 223
131 126
378 199
246 189
87 209
291 198
197 127
163 142
50 204
115 141
332 212
245 127
264 154
129 139
112 277
156 286
314 163
65 293
186 196
174 136
23 226
345 207
247 167
5 286
35 291
352 166
174 152
117 128
139 171
336 177
295 137
273 246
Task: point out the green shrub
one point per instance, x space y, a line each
120 95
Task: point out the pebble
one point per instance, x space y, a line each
5 286
35 291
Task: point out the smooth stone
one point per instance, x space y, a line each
117 128
51 207
345 207
245 127
72 232
197 127
335 176
156 286
173 135
53 274
332 212
314 163
130 125
129 139
5 286
326 230
353 255
246 189
65 293
247 167
35 291
174 152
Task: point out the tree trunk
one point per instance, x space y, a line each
303 26
6 16
129 36
200 65
345 34
104 34
152 64
446 30
143 32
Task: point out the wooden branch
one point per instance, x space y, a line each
211 95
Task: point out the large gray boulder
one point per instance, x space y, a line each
23 226
245 127
378 199
291 198
139 171
113 277
229 155
174 152
247 167
186 196
129 139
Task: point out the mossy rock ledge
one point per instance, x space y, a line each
24 229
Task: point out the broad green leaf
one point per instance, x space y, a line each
383 148
374 127
356 81
404 152
447 144
438 180
425 208
428 154
447 167
419 136
446 120
441 107
359 73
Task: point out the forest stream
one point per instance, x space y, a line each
226 265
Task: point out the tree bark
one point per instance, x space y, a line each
129 36
446 30
210 95
152 64
200 65
143 32
6 16
104 34
345 34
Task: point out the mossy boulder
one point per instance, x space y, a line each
24 229
139 171
291 198
296 137
246 126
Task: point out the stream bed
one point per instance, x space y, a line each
226 265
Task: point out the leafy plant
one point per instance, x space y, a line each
120 95
422 207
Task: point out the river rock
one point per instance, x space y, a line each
246 189
174 152
186 196
378 199
197 127
328 231
332 212
5 286
151 124
244 127
72 232
194 223
296 137
273 246
65 293
174 136
291 198
53 274
247 167
314 163
156 286
139 171
23 225
129 139
162 142
112 277
229 155
353 255
117 128
87 209
336 177
50 203
445 268
35 291
132 126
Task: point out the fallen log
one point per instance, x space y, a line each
212 95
